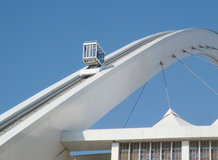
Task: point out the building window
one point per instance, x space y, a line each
166 150
145 148
201 150
214 150
198 150
155 151
150 151
124 149
205 150
177 151
193 150
134 151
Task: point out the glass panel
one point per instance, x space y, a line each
177 151
94 50
91 48
100 54
87 50
166 147
134 154
193 150
145 151
124 148
155 151
84 51
205 150
214 150
102 58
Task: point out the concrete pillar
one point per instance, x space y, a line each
171 150
129 152
150 151
199 150
210 150
140 146
115 151
185 150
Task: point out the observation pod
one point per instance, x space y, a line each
93 54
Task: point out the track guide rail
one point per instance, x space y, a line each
19 116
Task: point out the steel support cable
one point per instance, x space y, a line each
61 152
213 48
203 51
198 57
165 84
205 83
201 47
121 111
134 105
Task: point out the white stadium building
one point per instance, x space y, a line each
55 122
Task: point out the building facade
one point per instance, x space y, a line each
172 138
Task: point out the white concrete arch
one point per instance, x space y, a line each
38 135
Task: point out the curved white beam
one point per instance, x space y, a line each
84 104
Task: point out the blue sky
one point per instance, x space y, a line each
41 43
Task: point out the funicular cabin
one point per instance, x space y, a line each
93 54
